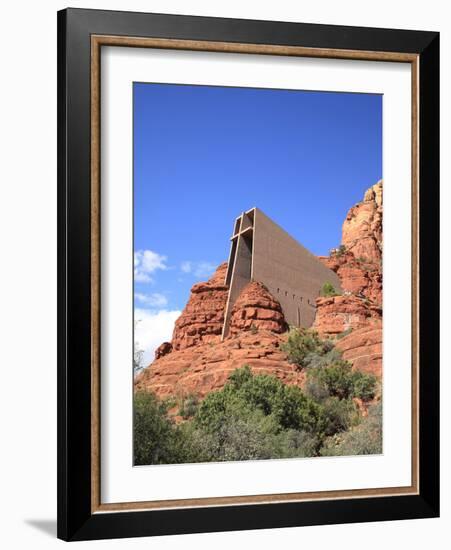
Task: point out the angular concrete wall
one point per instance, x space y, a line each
292 274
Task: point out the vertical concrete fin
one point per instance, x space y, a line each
240 273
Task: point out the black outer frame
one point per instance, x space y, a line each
75 520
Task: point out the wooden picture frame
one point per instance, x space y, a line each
81 35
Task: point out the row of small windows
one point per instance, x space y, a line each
301 299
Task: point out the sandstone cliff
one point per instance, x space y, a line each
255 335
358 263
363 348
203 317
362 228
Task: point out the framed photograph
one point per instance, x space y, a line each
248 274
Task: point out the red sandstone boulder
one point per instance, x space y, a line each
163 349
203 316
256 309
337 314
359 277
363 348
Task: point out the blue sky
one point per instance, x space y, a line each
204 154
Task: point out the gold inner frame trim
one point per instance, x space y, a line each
97 41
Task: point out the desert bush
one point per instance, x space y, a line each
340 250
335 379
340 415
364 385
155 440
317 360
328 289
256 436
296 443
304 344
344 333
158 440
245 393
188 407
364 439
339 380
255 417
241 437
315 390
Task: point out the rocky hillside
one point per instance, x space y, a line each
256 332
358 263
196 361
203 317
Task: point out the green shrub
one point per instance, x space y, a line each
304 344
344 333
336 379
364 385
296 443
340 250
245 393
316 361
154 436
188 406
339 380
259 417
328 289
340 415
364 439
315 390
241 437
253 437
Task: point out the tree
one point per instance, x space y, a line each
364 439
245 393
339 380
138 354
152 430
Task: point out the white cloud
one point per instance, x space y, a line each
147 262
198 269
186 267
152 329
154 299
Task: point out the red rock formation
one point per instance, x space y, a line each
362 228
206 367
203 317
358 263
256 309
359 277
337 314
363 348
163 349
254 338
